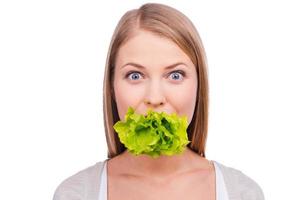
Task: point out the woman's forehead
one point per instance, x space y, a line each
146 48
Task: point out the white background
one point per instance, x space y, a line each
52 57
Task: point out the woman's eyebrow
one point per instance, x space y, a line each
142 67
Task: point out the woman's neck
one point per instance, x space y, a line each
163 166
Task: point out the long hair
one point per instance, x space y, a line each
167 22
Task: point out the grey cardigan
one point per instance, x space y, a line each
85 185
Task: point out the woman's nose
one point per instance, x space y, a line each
155 95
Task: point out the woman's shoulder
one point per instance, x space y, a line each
84 184
239 185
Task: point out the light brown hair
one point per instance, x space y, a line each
169 23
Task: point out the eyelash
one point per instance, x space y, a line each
175 71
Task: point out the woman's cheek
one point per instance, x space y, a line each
184 98
129 95
178 94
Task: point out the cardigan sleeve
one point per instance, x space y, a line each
84 185
240 186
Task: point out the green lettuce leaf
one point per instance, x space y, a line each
154 134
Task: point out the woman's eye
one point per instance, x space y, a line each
177 75
133 75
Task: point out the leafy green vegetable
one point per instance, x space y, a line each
154 134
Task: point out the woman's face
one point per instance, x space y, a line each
153 72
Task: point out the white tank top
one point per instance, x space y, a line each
221 190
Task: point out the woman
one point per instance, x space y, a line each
156 60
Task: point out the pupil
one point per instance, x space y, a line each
135 76
175 75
